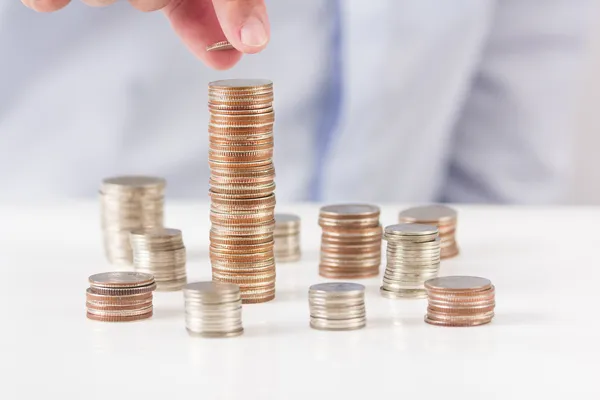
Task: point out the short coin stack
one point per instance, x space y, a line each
287 238
350 241
160 252
213 309
127 203
120 296
242 186
445 218
337 306
460 301
413 256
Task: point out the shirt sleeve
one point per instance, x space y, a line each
512 139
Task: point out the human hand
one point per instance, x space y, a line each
199 23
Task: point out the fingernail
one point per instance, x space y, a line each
253 33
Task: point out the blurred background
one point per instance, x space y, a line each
585 181
475 101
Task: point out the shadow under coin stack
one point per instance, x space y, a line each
337 306
128 203
120 296
242 186
413 256
350 241
287 238
445 218
460 301
160 252
213 309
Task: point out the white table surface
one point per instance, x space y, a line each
543 341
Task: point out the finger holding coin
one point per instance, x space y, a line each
45 5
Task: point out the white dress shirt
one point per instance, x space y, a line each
381 100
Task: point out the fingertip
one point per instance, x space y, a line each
244 23
46 5
254 35
149 5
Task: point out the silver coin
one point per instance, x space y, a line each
348 210
118 279
240 84
458 283
404 293
134 181
286 219
210 287
410 230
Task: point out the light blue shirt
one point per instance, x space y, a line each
381 100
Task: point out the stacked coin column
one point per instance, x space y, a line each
213 309
413 256
287 238
337 306
120 296
242 186
460 301
443 217
350 242
128 203
160 252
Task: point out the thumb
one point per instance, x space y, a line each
245 23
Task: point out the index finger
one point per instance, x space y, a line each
45 5
195 21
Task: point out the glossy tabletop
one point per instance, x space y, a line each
544 340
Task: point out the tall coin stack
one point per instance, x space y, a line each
445 218
120 296
460 301
287 238
128 203
160 252
413 256
242 186
213 309
350 241
337 306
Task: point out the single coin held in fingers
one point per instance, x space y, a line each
220 46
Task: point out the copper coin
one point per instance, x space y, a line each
117 307
457 324
341 211
348 275
119 318
220 46
91 296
